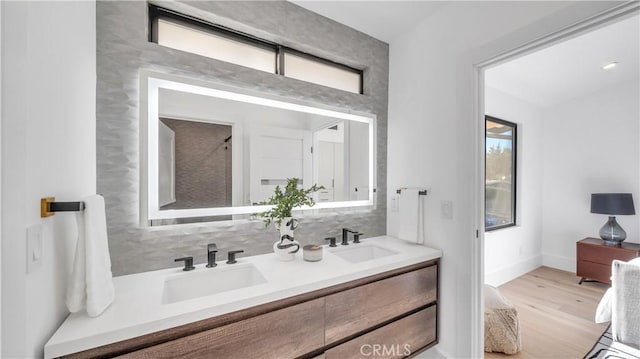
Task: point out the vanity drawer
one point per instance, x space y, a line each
396 340
289 332
358 309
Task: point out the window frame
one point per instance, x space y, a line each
156 12
283 66
514 169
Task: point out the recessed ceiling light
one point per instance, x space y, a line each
609 66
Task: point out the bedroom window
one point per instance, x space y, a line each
500 173
181 32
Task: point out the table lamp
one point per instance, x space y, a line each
612 204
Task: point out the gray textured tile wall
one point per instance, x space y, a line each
123 51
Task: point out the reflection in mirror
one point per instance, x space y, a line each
215 154
195 164
340 161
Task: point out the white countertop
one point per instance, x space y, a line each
138 309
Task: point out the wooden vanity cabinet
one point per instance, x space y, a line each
387 315
398 339
278 334
358 309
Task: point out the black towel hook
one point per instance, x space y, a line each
49 206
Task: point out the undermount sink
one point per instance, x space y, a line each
186 286
362 252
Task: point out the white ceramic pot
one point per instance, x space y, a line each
287 227
286 246
286 250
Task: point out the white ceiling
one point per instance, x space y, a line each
383 20
573 68
554 75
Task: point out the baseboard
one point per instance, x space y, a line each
512 271
559 262
432 353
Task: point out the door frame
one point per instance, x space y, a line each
1 170
605 18
346 150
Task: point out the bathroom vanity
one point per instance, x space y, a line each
380 295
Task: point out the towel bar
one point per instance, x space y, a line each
49 206
421 192
356 189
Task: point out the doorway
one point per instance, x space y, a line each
520 250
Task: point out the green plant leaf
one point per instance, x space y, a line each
285 201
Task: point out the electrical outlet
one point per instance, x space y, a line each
34 247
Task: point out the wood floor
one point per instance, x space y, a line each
556 314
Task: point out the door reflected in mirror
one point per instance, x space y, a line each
340 161
214 154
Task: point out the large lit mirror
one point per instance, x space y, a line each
213 153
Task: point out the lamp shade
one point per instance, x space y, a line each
612 203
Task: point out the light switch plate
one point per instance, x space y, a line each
34 247
446 209
395 205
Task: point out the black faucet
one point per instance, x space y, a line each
232 256
356 237
188 263
212 249
332 241
345 235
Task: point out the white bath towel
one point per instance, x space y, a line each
411 216
91 282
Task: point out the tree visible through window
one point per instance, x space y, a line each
500 173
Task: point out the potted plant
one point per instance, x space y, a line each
284 202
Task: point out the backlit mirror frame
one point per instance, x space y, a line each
150 85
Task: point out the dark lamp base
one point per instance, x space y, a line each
612 243
611 233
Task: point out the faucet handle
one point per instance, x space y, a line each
232 256
356 237
332 241
212 249
188 263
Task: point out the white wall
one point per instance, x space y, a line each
1 42
48 149
433 136
1 116
513 251
591 145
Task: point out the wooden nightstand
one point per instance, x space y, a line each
594 258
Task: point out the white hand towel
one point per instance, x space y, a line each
91 282
411 216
